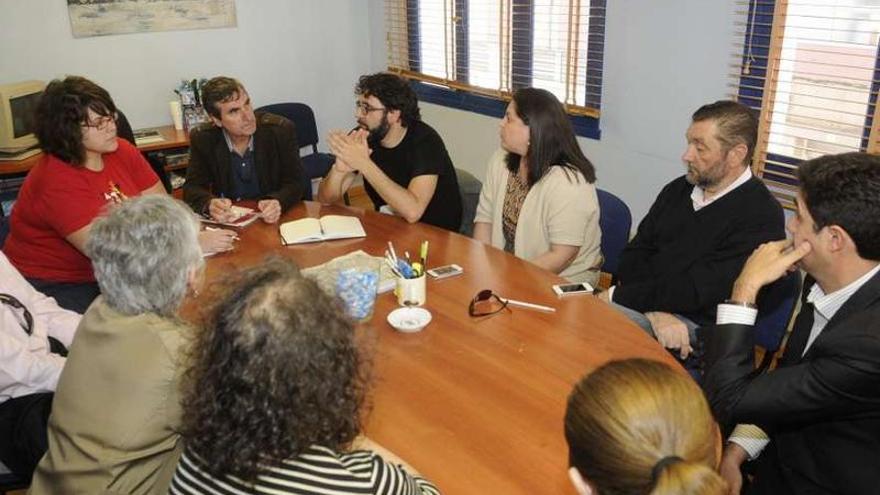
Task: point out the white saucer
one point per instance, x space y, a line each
409 320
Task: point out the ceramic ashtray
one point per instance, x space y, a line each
409 320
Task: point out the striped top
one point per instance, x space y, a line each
318 471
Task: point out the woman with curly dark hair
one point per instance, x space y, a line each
85 169
273 395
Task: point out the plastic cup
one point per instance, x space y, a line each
176 114
357 288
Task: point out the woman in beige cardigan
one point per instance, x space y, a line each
538 200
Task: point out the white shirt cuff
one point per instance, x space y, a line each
731 313
751 438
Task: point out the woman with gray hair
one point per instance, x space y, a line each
116 412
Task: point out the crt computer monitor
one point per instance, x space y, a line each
17 104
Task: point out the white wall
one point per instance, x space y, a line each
663 59
281 50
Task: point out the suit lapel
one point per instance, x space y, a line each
261 147
867 295
224 164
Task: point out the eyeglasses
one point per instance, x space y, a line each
102 123
365 108
486 303
27 323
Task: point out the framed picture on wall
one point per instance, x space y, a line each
102 17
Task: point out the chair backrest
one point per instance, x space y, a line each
615 221
469 187
4 227
123 127
775 306
302 117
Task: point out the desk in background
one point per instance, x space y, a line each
172 139
475 404
13 172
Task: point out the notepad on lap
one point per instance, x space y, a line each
324 229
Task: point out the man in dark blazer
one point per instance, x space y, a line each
241 155
820 408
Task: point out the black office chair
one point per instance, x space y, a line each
469 187
157 162
316 164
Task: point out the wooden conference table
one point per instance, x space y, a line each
476 405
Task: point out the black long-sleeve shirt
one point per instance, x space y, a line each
685 261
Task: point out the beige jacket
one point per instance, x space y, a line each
116 409
561 208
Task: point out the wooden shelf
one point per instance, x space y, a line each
172 139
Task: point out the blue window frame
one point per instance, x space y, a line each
824 73
462 84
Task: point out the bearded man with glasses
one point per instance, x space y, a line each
404 162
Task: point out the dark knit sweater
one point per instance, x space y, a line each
685 261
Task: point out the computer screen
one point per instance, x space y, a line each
22 109
17 104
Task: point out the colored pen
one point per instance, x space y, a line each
424 254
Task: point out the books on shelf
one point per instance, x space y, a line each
147 136
321 229
242 217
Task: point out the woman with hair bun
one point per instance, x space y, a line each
638 426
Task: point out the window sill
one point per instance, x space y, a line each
492 107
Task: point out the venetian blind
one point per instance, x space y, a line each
493 47
811 68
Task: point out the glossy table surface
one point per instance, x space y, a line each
475 404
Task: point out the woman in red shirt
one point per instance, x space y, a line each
86 169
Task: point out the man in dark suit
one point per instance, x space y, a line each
241 155
820 409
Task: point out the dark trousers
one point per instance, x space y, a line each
73 296
23 439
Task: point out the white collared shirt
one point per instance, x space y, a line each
26 365
698 194
825 306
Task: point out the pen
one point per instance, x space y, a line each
393 254
522 304
424 254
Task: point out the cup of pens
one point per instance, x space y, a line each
411 286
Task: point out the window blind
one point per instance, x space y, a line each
811 68
493 47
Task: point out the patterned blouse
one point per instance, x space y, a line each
517 190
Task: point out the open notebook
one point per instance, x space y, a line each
324 229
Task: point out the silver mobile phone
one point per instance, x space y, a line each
445 271
572 289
